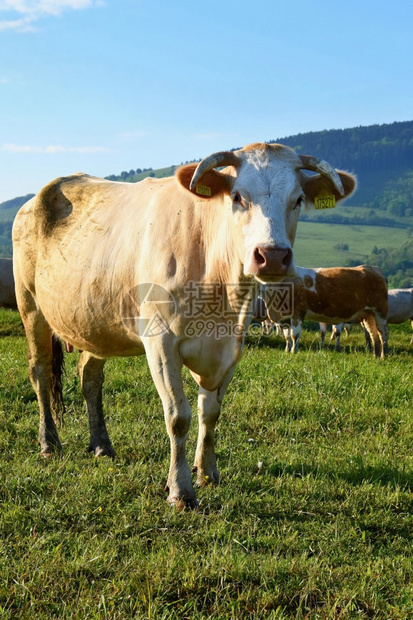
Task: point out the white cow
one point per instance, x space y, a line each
400 306
167 267
400 309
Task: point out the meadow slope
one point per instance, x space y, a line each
313 517
315 244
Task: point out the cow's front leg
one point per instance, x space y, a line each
323 332
91 380
296 329
336 334
165 366
209 407
287 337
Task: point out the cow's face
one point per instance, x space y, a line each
265 189
266 198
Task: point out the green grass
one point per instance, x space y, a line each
322 528
314 245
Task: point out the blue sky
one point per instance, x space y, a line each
103 86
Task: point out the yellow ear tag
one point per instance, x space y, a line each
204 190
325 200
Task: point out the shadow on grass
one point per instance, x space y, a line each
264 342
356 476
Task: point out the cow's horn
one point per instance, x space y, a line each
319 165
223 158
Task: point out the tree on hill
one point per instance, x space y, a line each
396 264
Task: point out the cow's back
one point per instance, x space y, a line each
78 247
101 240
400 305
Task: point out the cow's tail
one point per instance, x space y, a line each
58 406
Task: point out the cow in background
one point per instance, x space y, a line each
336 295
336 331
7 292
400 309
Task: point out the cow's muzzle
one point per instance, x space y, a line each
270 261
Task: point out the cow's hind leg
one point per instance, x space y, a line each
367 337
377 329
40 358
383 330
370 327
336 335
91 380
209 407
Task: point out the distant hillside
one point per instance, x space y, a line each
11 206
381 156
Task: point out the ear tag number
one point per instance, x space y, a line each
325 201
204 190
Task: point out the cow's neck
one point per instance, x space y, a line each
222 263
223 266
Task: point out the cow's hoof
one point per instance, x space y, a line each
47 453
50 449
203 478
103 451
182 503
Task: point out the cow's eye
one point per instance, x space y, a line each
238 200
299 203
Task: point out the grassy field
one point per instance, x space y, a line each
315 243
313 517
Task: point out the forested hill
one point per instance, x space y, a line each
361 149
379 155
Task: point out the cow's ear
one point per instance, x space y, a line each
211 184
322 194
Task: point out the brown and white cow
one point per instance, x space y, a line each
336 331
335 295
7 292
125 269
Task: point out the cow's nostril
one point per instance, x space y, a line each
287 258
270 260
259 258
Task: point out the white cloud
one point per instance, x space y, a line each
21 14
52 149
22 25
